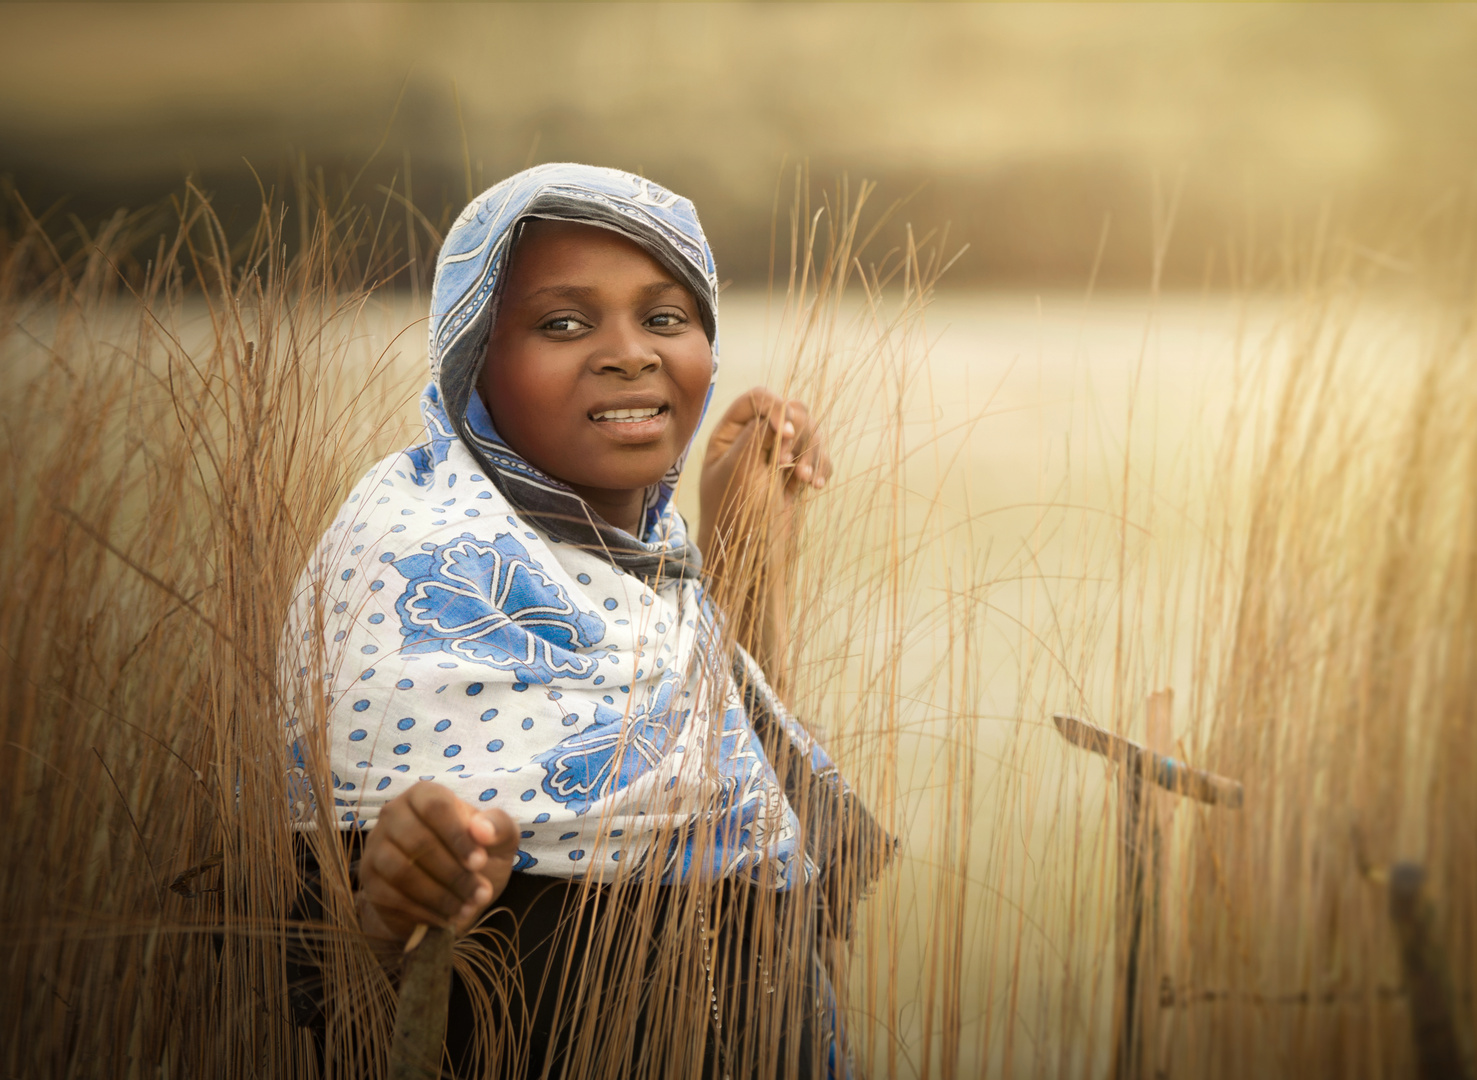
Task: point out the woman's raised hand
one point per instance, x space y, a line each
763 446
432 858
763 453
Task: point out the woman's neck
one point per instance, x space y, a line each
619 508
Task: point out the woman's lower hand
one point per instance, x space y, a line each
432 858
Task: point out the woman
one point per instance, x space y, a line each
531 700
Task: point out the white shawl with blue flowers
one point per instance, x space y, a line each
481 628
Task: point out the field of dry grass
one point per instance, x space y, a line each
1266 502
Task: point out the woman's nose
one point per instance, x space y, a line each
626 351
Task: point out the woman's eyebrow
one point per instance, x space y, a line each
656 288
572 292
586 292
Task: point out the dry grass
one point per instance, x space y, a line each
179 441
1341 619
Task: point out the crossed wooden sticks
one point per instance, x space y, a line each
1439 1052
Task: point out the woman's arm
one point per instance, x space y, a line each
762 454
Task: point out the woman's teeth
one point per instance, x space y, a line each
626 416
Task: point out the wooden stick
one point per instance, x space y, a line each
1131 903
1438 1050
1159 808
425 991
1166 772
1137 851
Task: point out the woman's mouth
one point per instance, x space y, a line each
633 425
627 416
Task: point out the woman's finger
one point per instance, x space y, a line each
812 462
398 869
399 912
815 467
502 853
504 843
424 848
457 825
755 404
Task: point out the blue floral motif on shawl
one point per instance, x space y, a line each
744 778
614 750
491 603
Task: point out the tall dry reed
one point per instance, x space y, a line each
176 429
182 418
1339 621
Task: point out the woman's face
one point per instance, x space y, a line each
598 365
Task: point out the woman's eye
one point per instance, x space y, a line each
564 324
665 320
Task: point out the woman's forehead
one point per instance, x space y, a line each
552 253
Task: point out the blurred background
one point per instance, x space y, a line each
1026 128
1069 470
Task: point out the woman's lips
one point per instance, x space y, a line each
626 416
633 425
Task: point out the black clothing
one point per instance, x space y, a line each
551 935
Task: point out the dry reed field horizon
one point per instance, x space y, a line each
1264 500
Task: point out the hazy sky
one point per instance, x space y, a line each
1029 123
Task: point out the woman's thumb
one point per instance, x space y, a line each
505 832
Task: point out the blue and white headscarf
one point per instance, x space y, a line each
464 305
483 628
